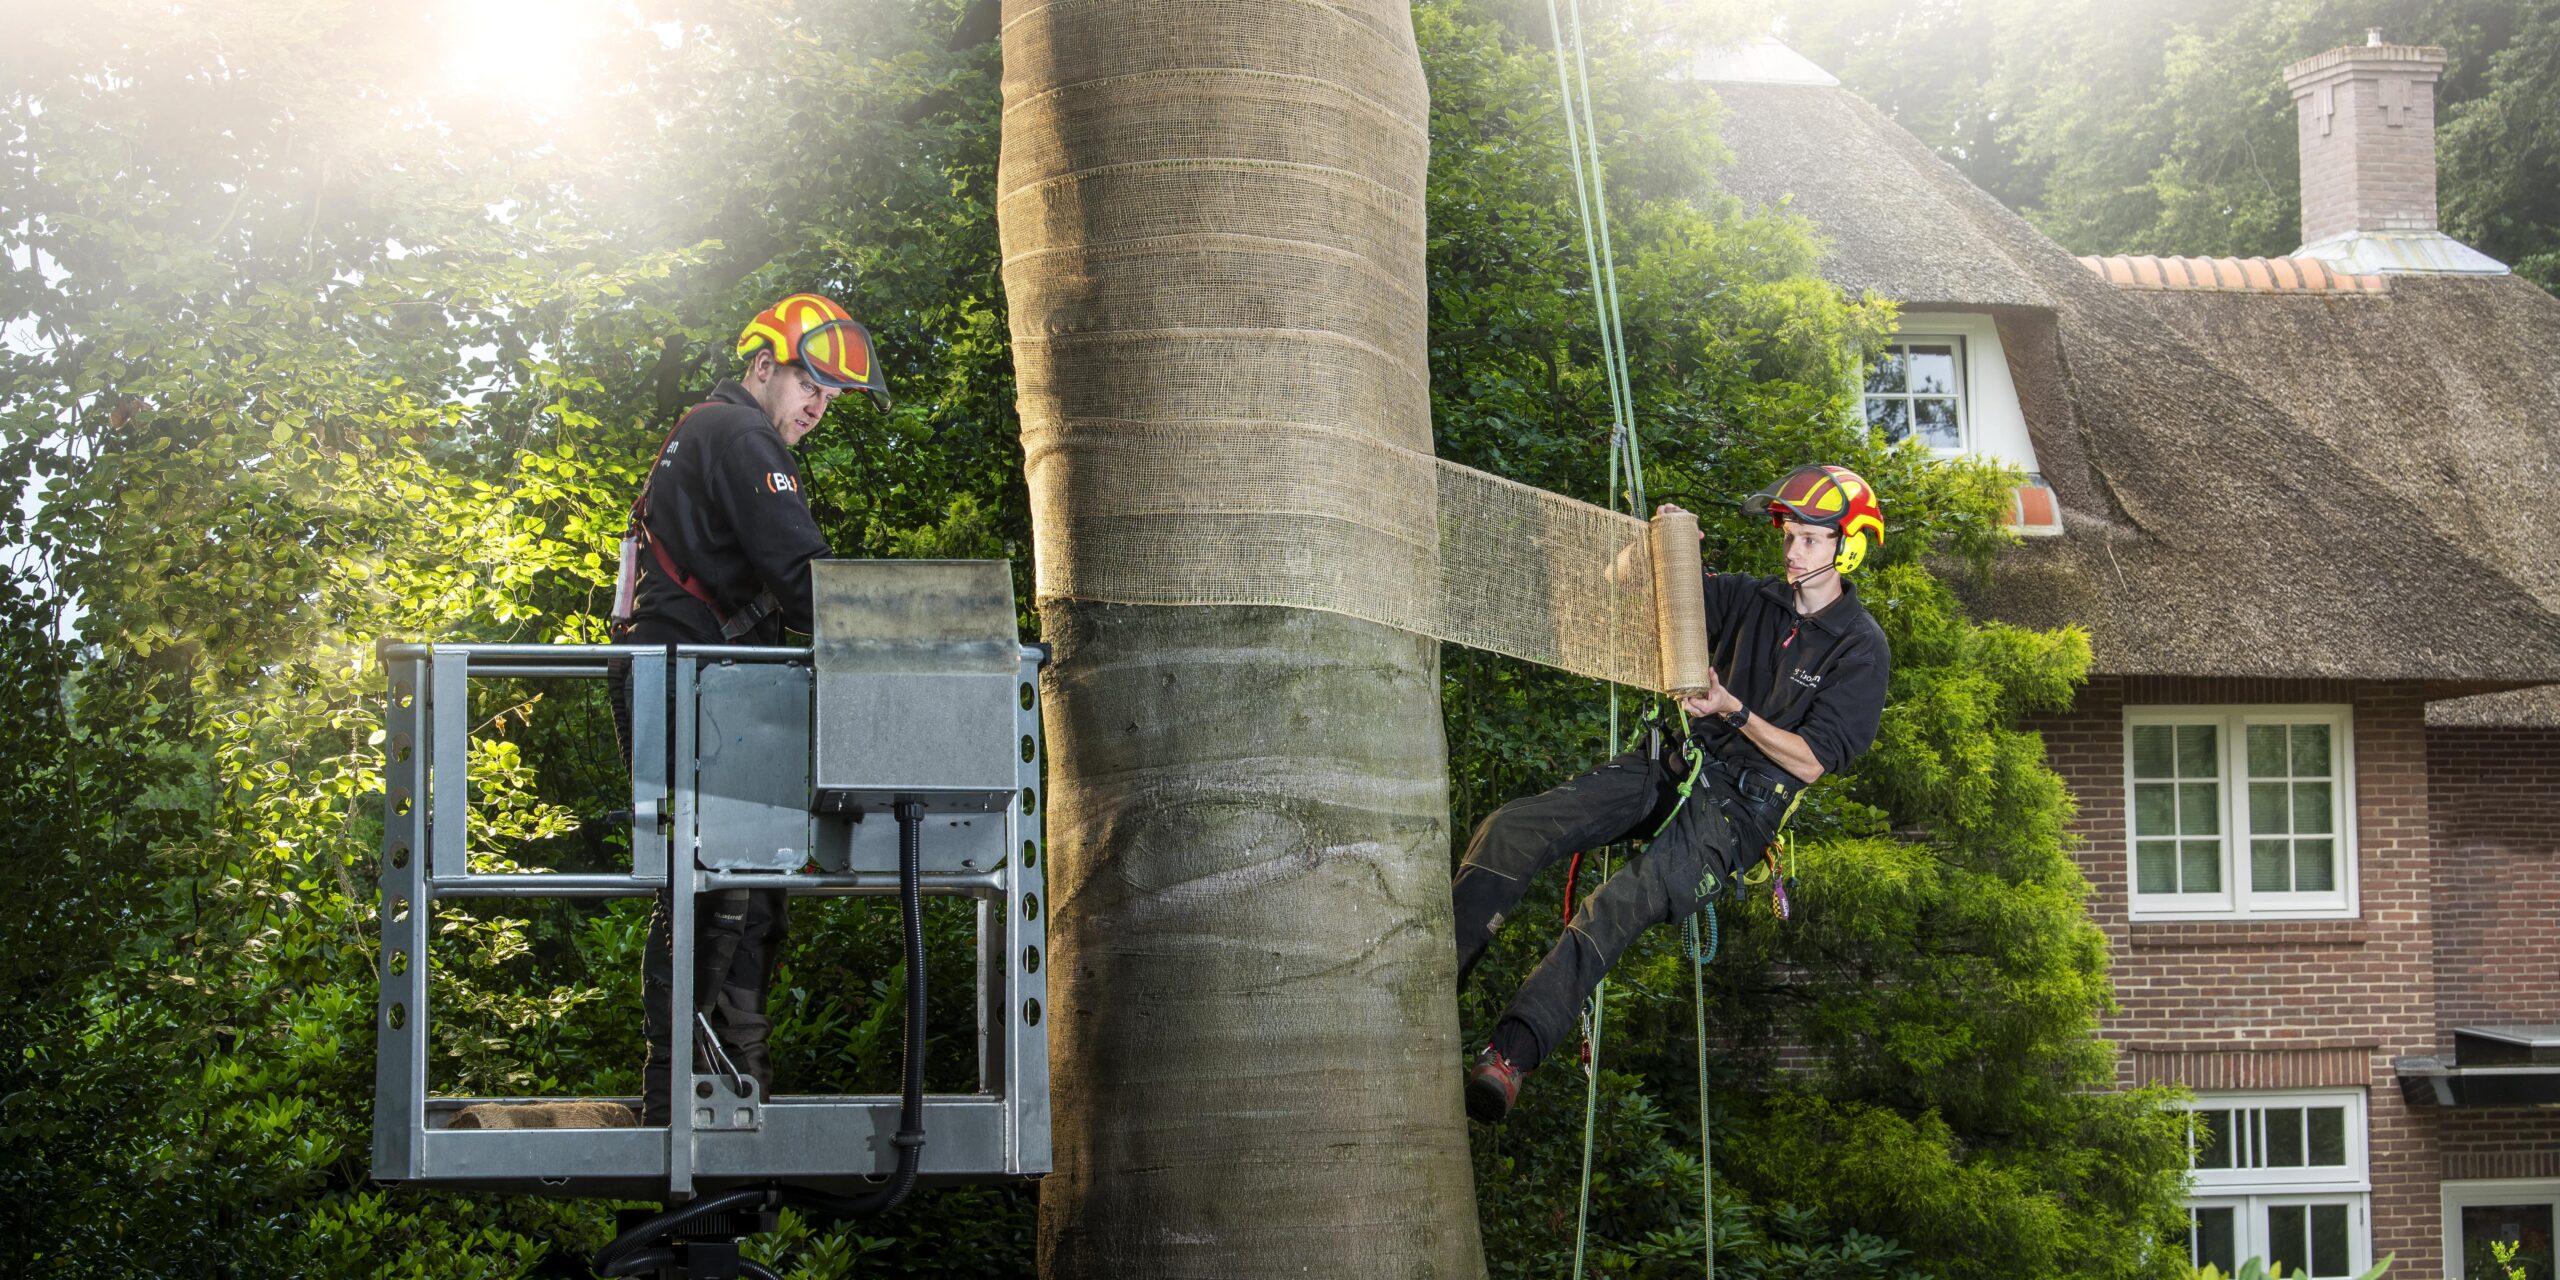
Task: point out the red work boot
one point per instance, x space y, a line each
1493 1084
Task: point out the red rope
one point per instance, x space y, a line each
1571 874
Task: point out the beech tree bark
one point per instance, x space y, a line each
1253 1044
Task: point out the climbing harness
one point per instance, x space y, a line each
637 534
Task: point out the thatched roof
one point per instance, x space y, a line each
2205 531
2446 387
2537 706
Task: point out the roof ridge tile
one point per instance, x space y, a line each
2238 275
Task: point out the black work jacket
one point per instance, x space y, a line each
1821 676
725 502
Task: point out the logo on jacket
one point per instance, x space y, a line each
782 482
1809 679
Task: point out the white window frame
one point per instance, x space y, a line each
1963 392
2251 1192
1988 417
2458 1195
2236 900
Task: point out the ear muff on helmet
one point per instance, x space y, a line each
812 331
1833 498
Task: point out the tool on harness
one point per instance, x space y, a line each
637 534
720 1060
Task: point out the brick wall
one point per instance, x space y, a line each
2365 134
2495 812
2219 1005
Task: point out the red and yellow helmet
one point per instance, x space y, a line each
823 338
1833 498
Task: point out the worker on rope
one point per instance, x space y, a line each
1799 684
718 552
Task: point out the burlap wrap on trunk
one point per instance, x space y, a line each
1212 194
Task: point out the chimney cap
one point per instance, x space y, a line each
2345 60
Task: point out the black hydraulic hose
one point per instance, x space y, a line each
622 1247
910 1137
632 1251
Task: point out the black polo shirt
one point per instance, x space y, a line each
726 503
1820 676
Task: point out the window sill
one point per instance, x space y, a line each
2146 935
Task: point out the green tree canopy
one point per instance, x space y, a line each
2165 126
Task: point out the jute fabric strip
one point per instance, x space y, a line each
1212 225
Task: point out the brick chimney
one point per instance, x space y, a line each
2368 130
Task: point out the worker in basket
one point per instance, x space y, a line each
1799 682
718 552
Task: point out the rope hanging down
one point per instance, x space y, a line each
1626 459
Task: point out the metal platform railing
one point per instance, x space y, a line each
722 796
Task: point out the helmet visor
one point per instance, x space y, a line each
838 356
1807 495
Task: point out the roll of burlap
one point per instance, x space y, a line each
1680 603
584 1113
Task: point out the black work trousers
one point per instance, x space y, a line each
738 936
1726 822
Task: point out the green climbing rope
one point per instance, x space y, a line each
1626 463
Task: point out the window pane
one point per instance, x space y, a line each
2284 1138
2196 751
2155 809
2199 808
1933 368
2213 1139
2200 867
2156 866
2288 1229
2266 751
1890 418
2151 758
2310 750
1935 420
2271 866
2270 814
2315 866
2328 1135
2527 1226
2215 1240
2329 1240
2311 807
1887 373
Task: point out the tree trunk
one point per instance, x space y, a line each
1254 1045
1211 218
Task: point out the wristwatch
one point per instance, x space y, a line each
1740 717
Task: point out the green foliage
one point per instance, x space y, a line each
318 350
2167 128
2257 1269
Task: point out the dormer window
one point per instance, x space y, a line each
1917 388
1944 381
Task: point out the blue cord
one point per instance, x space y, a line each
1689 928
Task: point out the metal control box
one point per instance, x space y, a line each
918 674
